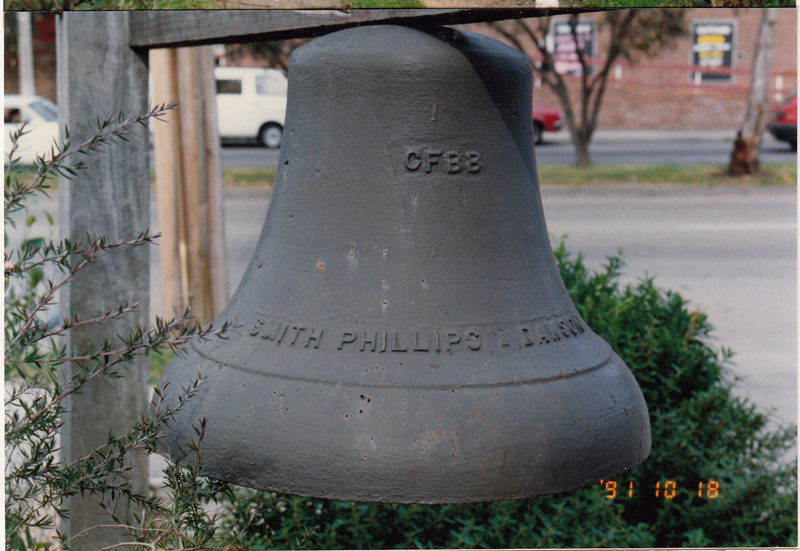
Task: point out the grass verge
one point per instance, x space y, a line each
248 177
771 175
782 174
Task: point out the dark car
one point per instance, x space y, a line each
546 119
782 121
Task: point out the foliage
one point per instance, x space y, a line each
632 34
363 4
66 5
38 481
273 54
701 433
681 3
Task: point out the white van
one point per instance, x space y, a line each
40 116
251 104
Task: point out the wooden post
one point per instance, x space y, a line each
166 144
189 184
99 75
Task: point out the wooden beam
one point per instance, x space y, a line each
160 29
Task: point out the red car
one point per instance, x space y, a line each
546 119
782 121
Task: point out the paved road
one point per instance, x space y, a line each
731 251
608 147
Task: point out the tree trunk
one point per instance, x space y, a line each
744 157
582 158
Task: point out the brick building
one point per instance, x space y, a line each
659 93
44 54
662 93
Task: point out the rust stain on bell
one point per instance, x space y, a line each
456 368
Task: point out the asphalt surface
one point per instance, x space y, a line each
730 251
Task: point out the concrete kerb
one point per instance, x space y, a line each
649 135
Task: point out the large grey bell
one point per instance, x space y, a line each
407 337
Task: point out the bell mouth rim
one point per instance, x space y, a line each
381 447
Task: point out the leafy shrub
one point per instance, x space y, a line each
700 430
702 434
37 480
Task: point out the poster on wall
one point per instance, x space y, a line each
564 47
712 51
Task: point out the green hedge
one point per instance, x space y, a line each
701 433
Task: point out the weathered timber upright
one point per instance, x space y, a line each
100 75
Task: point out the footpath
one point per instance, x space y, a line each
649 135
